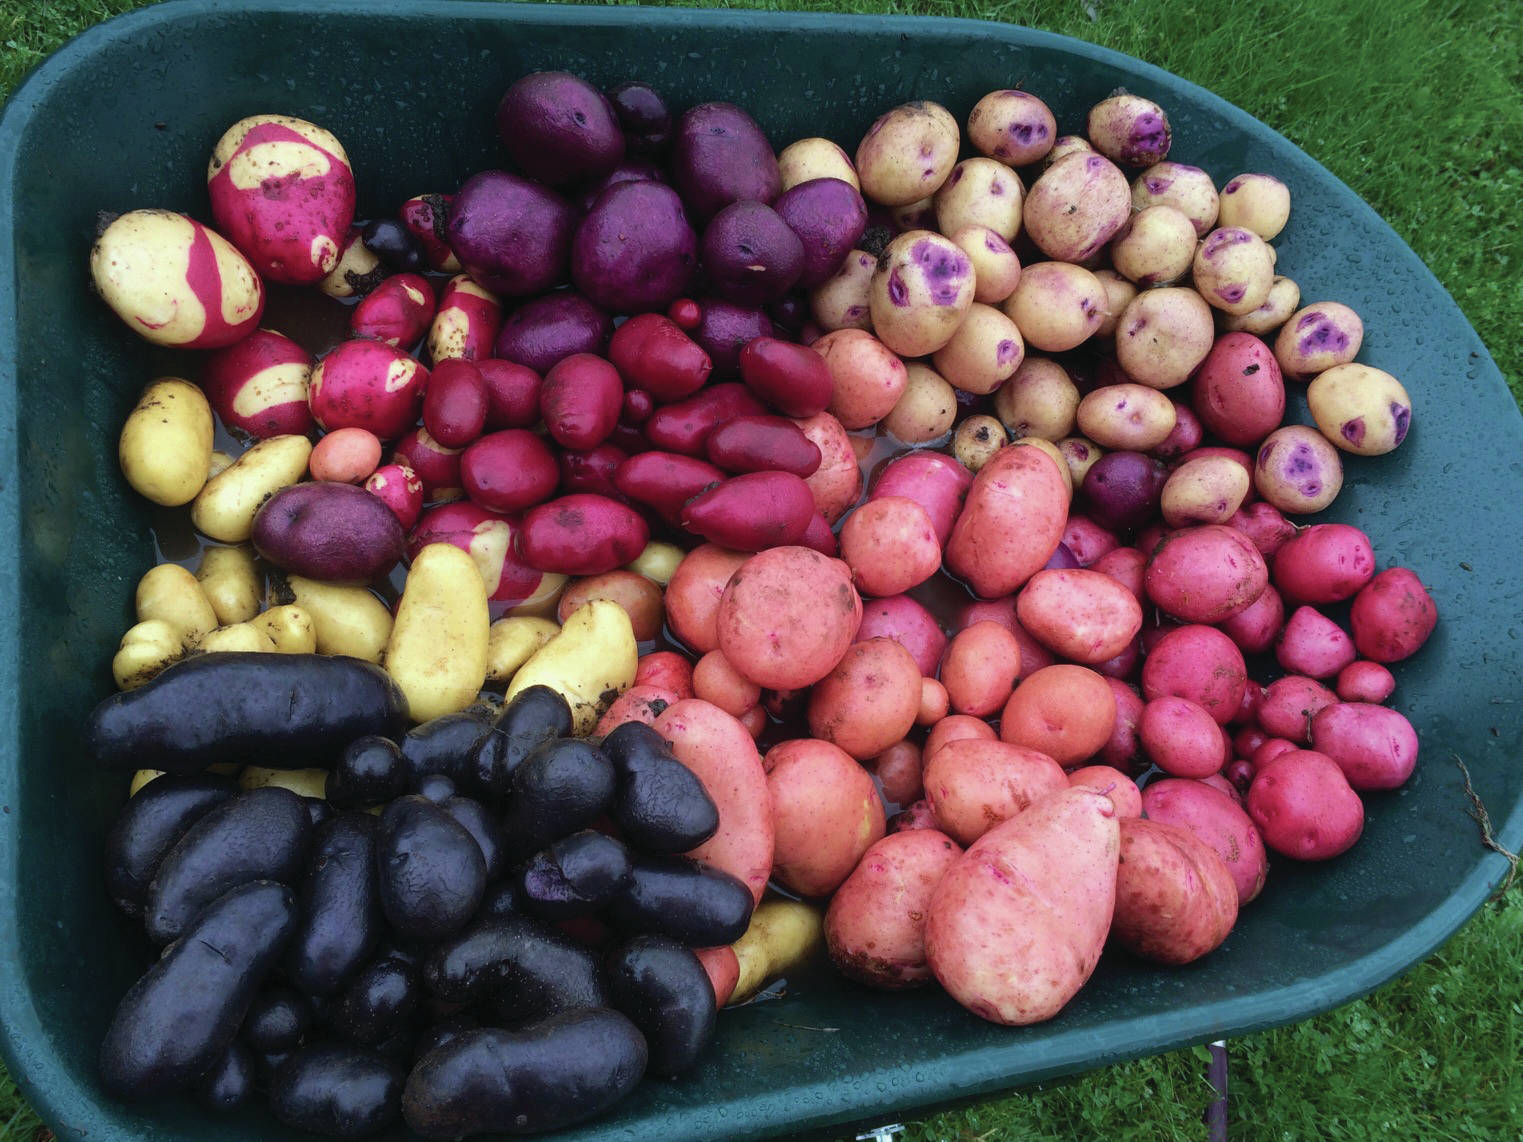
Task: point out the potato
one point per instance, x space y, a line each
171 593
843 301
919 294
1324 563
1288 705
751 256
1129 129
1216 819
1039 399
166 443
1205 574
145 650
1175 899
639 596
437 652
1209 489
1127 417
1317 338
902 619
808 159
225 508
1118 295
1284 297
1064 711
978 440
1182 738
782 934
1187 189
787 617
1257 202
637 704
1057 306
1163 335
826 813
1076 206
1392 616
1376 747
720 684
345 620
1239 391
1017 924
925 410
829 217
1233 269
512 641
890 545
311 783
973 784
1011 522
244 638
1155 247
1014 127
1081 615
1065 145
869 378
1120 788
1297 470
1361 409
1365 681
984 351
328 531
657 562
1303 805
357 269
1199 663
996 268
466 323
868 701
1078 453
692 595
289 628
907 153
982 662
980 192
1312 644
231 582
875 926
588 662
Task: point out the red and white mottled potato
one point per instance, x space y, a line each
1127 417
435 465
1175 898
346 456
927 408
1200 663
837 482
1018 923
1065 711
1120 788
978 440
980 667
1233 269
1057 306
1076 206
1304 807
1182 738
176 282
1375 746
843 300
996 268
1365 681
466 323
904 620
1081 615
1014 127
397 312
907 153
1039 399
399 488
1318 337
973 784
259 385
919 293
875 926
826 814
869 379
165 446
1239 392
1289 704
1208 489
1392 616
1118 295
1284 297
808 159
869 700
1361 409
787 616
1257 202
1155 247
225 507
487 538
1219 821
1129 129
1205 574
282 191
367 384
980 192
425 216
1297 470
1187 189
890 545
640 598
1163 335
1312 644
1011 521
985 350
357 271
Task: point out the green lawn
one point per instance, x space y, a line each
1416 105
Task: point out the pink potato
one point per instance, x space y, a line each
1034 655
1175 899
637 704
1218 820
509 471
718 683
1199 663
890 545
367 384
1011 522
912 817
1312 644
875 925
580 400
397 312
259 384
1265 524
720 751
1125 565
347 456
1290 703
867 377
580 534
1017 924
1375 746
1365 681
955 727
1083 616
1392 616
1304 806
868 701
1123 748
837 482
693 593
980 667
973 784
399 489
1255 629
1324 563
787 616
665 670
934 702
1120 788
1205 574
826 813
1087 541
904 620
1182 738
936 482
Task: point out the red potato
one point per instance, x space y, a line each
723 969
437 467
347 456
868 701
867 378
1290 703
979 670
1239 393
399 489
592 471
1265 525
653 354
1269 749
466 322
640 597
1392 616
397 312
1175 899
890 545
720 751
793 379
1123 564
787 617
694 592
1255 629
488 538
666 670
1087 541
1304 806
837 483
580 534
1120 788
455 403
367 384
973 784
1312 644
637 704
685 425
1199 663
902 619
1324 563
424 217
1123 748
935 702
826 813
1182 738
936 482
259 384
1365 681
1376 747
955 727
1217 819
1011 522
875 925
752 512
1205 574
1017 924
1083 616
719 683
762 444
509 471
1065 711
898 770
512 393
1034 656
665 481
580 400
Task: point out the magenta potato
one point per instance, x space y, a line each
644 117
793 379
455 402
635 252
512 393
541 333
592 471
1122 490
512 235
752 512
750 254
328 531
685 426
829 216
720 156
665 480
558 128
580 534
580 401
904 620
508 471
762 444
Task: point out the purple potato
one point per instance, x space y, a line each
750 255
722 156
545 331
726 329
644 117
329 531
829 216
512 235
635 251
1123 490
630 170
559 128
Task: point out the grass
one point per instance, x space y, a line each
1414 104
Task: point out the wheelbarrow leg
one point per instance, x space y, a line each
1216 1074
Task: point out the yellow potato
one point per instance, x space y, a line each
437 652
658 562
221 462
814 158
590 662
907 153
546 597
302 782
245 637
141 778
1126 416
513 641
146 649
1047 446
980 192
226 507
171 593
290 628
231 580
345 620
782 934
843 302
165 448
1039 399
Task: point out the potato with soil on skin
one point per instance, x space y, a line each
868 377
588 662
787 616
1205 574
1064 711
226 506
984 351
868 701
996 268
907 153
826 813
973 784
1163 335
1233 269
920 293
1011 522
328 531
844 301
1304 807
1361 409
890 545
1081 615
1297 470
980 667
1316 338
1175 899
1076 206
1057 306
1392 616
1200 663
875 926
1014 127
466 323
1257 202
165 447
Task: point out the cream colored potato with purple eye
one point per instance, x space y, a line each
1284 297
1361 409
1187 189
1316 338
1118 295
1129 417
920 292
907 153
996 268
1080 454
1257 202
926 410
1297 470
1076 207
917 215
1155 247
1130 130
1233 269
1040 399
1066 145
842 302
1014 127
1163 335
809 159
1057 306
985 350
1207 489
980 192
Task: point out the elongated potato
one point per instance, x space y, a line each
345 620
512 641
226 506
171 593
237 638
165 448
1011 522
302 782
437 652
290 628
146 649
589 662
782 934
231 580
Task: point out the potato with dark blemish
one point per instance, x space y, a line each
1014 127
1163 335
1318 337
1186 188
920 292
996 268
1130 129
907 153
1361 409
1057 306
1297 470
1233 269
986 349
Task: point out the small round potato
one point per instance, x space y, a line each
1316 338
1163 335
1130 129
166 444
927 408
843 301
1057 306
1257 202
1208 489
996 269
1234 269
1118 295
980 192
1284 297
1065 145
1014 127
1155 247
1077 206
907 153
1361 409
1079 455
1297 470
809 159
1188 189
1129 417
985 350
1039 399
920 293
976 441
